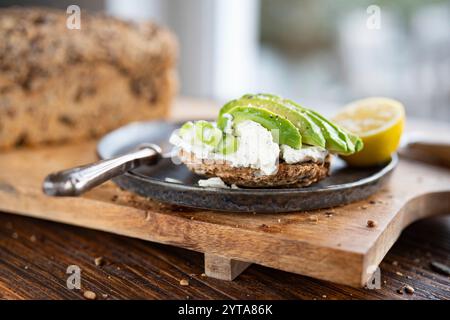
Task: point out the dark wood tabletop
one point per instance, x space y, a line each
35 254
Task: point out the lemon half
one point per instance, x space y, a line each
379 122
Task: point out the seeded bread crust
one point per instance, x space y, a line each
288 175
58 84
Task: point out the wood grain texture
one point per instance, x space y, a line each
34 255
223 268
334 245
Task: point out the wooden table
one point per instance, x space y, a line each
35 254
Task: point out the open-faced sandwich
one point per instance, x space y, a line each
263 140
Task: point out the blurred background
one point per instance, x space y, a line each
322 53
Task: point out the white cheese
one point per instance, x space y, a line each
256 148
190 144
212 183
229 126
291 155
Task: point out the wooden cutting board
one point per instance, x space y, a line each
334 244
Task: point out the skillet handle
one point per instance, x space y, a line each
75 181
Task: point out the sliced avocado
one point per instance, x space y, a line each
280 127
310 132
342 133
185 128
207 133
337 140
229 144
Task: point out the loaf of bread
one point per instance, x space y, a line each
58 84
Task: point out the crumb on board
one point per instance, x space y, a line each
90 295
33 238
99 261
184 282
371 223
409 289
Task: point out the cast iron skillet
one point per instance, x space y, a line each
345 184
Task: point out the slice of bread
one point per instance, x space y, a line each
288 175
58 84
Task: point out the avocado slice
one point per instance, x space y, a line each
281 128
228 144
201 132
310 131
207 133
337 140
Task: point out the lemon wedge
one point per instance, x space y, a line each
379 122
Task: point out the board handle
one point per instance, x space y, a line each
75 181
423 147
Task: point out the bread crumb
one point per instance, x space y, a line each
90 295
314 218
15 235
395 263
184 282
371 223
409 289
99 261
203 275
399 273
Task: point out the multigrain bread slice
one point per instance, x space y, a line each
287 175
58 84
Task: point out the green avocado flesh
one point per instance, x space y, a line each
290 124
310 131
205 132
229 144
338 140
282 129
